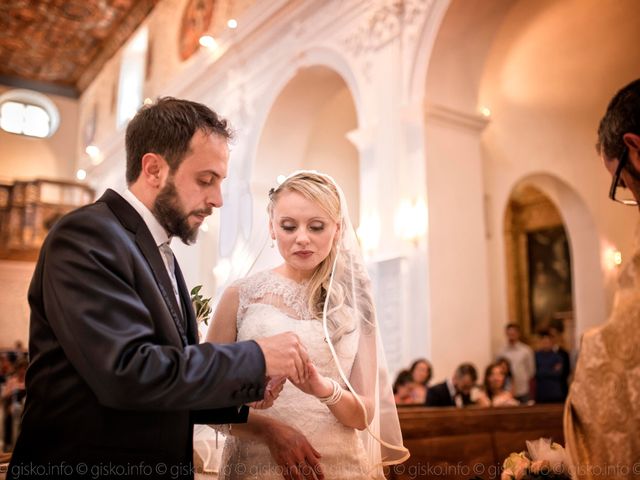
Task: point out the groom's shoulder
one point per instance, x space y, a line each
92 216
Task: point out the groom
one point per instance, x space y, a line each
117 378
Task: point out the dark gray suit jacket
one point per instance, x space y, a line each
116 375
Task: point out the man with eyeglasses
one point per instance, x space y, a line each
602 414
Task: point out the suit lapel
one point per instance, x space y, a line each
185 296
134 223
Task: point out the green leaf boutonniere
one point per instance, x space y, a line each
201 305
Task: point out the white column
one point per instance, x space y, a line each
457 242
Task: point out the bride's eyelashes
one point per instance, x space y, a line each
313 227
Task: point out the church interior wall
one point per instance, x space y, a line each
546 82
548 77
395 115
27 158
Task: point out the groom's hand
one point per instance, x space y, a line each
271 393
285 356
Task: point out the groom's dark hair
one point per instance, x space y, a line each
166 128
622 116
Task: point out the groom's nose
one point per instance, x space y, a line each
214 198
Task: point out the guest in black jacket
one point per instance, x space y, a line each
549 373
455 391
556 331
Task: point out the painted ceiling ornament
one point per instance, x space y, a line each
195 22
65 43
384 24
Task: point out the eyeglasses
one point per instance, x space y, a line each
623 197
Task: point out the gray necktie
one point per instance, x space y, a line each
171 268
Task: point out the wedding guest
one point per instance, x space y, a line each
523 366
455 391
506 368
421 373
494 388
6 368
556 332
13 393
548 371
403 388
602 415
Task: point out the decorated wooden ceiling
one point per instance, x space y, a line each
59 46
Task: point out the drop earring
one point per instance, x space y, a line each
273 244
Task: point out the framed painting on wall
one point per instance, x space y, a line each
549 266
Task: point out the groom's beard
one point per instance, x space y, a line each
169 212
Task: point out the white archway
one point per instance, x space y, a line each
303 125
314 57
584 240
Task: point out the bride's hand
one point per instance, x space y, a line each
271 393
316 384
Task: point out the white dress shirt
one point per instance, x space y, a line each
523 366
159 235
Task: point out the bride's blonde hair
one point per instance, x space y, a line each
322 191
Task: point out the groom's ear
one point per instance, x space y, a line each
154 170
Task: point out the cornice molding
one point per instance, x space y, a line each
450 116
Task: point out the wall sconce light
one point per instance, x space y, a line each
94 154
411 220
612 258
485 112
208 41
369 232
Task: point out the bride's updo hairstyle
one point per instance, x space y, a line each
321 190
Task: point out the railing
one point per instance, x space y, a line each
28 209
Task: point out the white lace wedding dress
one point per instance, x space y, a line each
272 304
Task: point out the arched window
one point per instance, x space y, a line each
29 113
132 73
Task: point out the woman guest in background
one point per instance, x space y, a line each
342 422
403 388
421 372
495 394
506 367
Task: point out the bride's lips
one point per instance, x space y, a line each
303 253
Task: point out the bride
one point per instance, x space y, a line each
341 421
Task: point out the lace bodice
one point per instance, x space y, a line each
270 304
271 288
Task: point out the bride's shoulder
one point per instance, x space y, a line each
252 280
